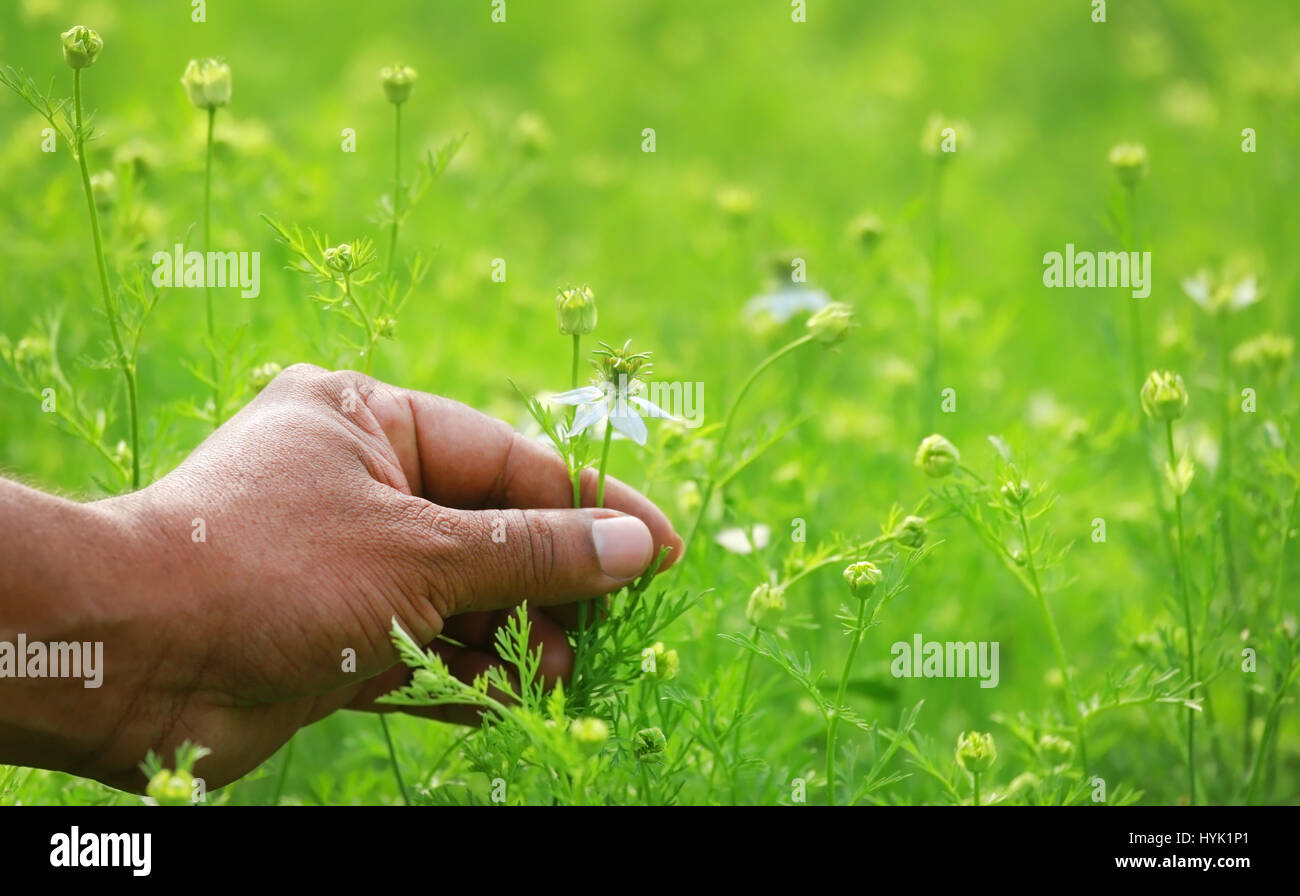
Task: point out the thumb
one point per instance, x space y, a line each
492 559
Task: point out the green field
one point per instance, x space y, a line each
682 158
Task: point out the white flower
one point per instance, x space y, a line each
745 541
1216 294
784 304
621 408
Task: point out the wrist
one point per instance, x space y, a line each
75 610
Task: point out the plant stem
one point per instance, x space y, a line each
604 462
1135 314
127 365
284 773
740 706
397 184
1058 647
573 380
833 722
931 379
975 778
730 421
1187 622
371 341
392 757
207 287
1270 726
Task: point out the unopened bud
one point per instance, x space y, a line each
1164 397
398 81
649 745
81 46
936 456
862 578
766 606
207 83
576 309
976 751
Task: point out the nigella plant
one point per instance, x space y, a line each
615 398
126 312
207 83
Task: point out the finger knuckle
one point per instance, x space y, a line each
536 548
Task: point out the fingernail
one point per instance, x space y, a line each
623 546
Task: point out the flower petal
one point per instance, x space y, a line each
651 409
735 540
630 425
580 395
1245 293
1198 290
587 415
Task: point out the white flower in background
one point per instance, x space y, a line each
615 397
739 540
1221 293
783 304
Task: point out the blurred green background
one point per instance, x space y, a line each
817 122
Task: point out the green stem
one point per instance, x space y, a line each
126 364
730 421
397 184
371 341
284 773
573 380
207 287
740 709
1187 622
931 379
833 722
1270 726
1058 647
392 757
975 777
604 462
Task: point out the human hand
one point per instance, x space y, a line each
328 506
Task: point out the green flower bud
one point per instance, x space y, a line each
1129 161
260 377
340 258
649 745
81 46
398 82
862 578
207 83
385 326
659 663
766 606
1055 749
590 734
911 532
576 309
936 456
831 324
976 751
867 230
1017 492
1164 397
171 788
